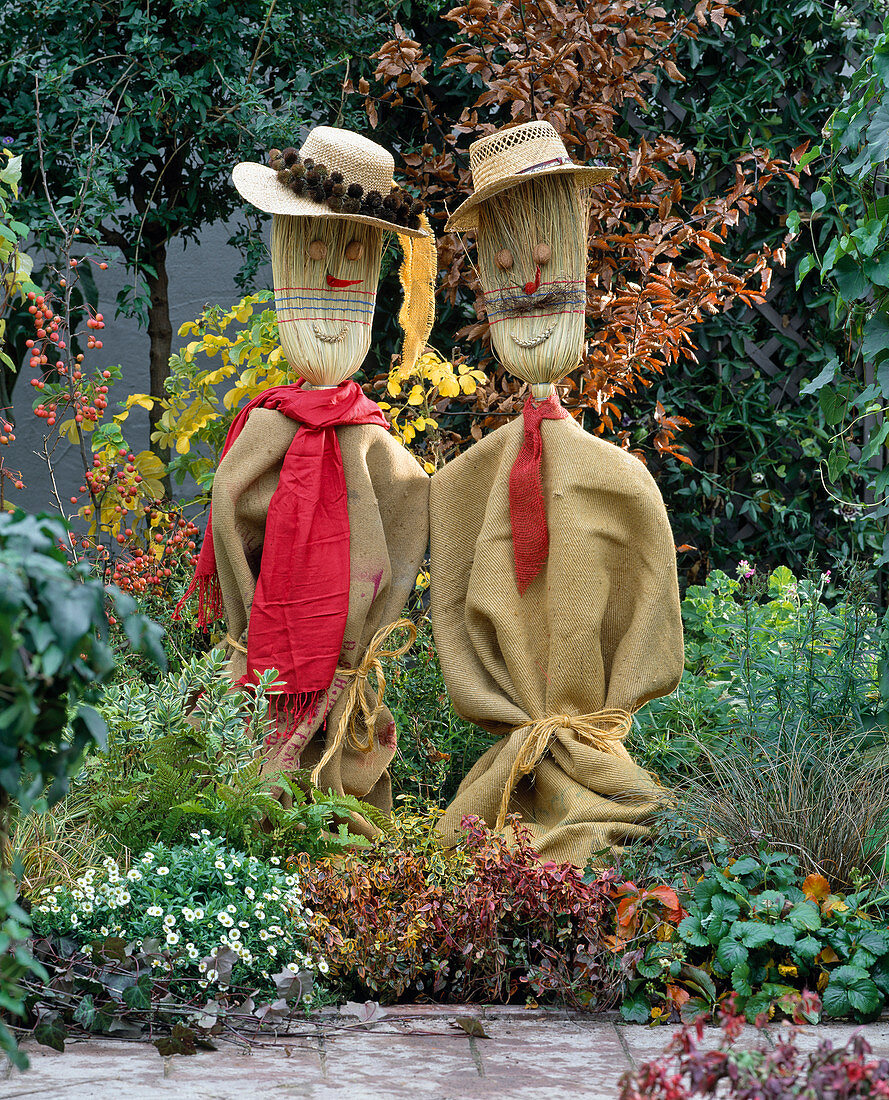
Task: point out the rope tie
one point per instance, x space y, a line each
235 644
356 700
605 730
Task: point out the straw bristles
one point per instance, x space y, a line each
550 211
325 333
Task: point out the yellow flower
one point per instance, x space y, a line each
787 970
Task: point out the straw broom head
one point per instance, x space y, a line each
532 246
324 327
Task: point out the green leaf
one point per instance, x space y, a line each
806 915
690 930
753 934
741 980
875 336
636 1009
805 266
826 375
730 954
833 405
138 996
850 989
819 200
51 1031
85 1012
851 279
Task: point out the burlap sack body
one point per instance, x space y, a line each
388 522
599 627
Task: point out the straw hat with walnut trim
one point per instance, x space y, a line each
510 157
336 174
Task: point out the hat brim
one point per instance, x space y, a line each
259 185
465 217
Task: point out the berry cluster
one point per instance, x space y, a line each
147 571
316 182
87 400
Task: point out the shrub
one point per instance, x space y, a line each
775 732
486 923
756 929
779 1070
212 918
186 751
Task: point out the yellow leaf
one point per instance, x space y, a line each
449 387
419 424
144 400
68 428
408 433
429 467
468 383
393 388
417 396
276 356
188 327
149 465
430 423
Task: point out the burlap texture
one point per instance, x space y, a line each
388 522
598 628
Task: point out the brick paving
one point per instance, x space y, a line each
414 1053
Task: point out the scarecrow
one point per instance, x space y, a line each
319 517
554 597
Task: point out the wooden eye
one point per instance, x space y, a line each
503 259
354 250
542 254
317 250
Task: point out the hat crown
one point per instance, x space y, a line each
358 158
521 150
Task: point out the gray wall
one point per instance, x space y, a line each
201 274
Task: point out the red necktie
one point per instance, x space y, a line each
530 536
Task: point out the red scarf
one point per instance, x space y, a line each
530 535
298 616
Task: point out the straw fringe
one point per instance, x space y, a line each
417 275
356 701
324 363
605 730
553 212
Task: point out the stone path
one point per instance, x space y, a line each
414 1053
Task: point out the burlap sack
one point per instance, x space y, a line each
388 521
599 629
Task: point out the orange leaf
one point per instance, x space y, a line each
816 888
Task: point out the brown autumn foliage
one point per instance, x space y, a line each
657 265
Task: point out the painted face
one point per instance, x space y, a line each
326 272
532 243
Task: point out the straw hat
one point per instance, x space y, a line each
336 174
509 157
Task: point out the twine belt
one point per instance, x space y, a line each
605 730
356 699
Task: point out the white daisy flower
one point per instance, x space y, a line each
225 920
172 937
154 911
147 858
231 908
220 863
123 897
322 966
212 975
162 871
134 874
263 934
75 920
103 931
250 892
243 924
234 935
205 832
273 951
87 907
169 920
199 914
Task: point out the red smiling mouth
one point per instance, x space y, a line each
340 284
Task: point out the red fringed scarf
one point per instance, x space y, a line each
530 535
298 616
